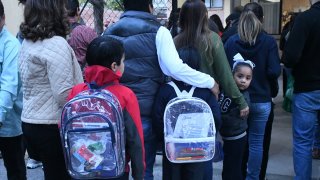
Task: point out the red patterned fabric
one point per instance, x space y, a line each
80 37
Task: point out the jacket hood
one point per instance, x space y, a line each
250 50
101 75
316 5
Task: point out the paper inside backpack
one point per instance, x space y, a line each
89 125
89 150
90 159
192 125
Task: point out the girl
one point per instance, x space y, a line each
254 44
233 129
48 70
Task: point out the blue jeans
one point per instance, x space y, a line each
150 148
305 111
259 114
316 141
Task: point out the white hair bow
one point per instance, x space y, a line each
239 59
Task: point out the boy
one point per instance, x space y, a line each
105 57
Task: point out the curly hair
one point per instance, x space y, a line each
1 9
44 19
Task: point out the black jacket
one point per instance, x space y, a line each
302 50
232 123
137 31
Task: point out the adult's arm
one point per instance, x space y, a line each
222 71
8 77
63 71
172 65
274 68
296 42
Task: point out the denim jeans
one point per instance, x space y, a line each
266 144
304 116
259 114
150 148
316 141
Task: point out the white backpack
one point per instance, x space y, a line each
189 129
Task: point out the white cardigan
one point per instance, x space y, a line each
48 70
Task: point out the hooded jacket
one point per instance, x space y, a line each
131 113
264 54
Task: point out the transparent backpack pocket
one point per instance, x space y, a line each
189 150
91 153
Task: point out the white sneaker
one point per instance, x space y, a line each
32 164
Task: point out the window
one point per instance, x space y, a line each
214 3
271 11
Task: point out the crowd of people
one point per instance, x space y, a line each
234 69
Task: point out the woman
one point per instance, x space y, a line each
254 44
48 69
193 22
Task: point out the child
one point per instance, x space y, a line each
177 171
233 129
105 57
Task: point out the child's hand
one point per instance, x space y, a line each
171 151
244 112
215 90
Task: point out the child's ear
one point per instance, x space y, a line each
114 66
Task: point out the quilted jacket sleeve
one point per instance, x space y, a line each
63 70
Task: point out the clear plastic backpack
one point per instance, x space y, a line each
189 129
92 134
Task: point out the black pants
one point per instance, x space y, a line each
183 171
44 140
233 155
13 157
25 148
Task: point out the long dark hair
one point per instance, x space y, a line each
256 9
215 18
193 22
44 19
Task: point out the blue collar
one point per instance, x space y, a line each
139 14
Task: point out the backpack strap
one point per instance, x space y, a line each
184 93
